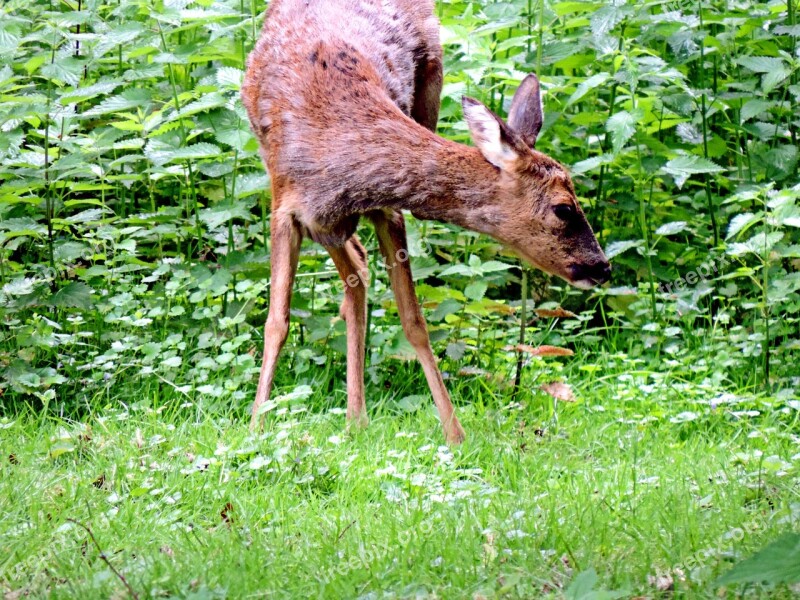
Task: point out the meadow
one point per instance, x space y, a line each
657 455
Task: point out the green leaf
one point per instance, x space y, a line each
90 215
606 18
592 163
458 270
172 363
781 161
251 183
585 86
128 99
491 266
754 108
222 213
9 42
161 154
456 350
761 64
582 587
740 223
621 126
412 404
72 295
236 137
617 248
773 79
81 94
21 286
301 392
777 563
120 35
202 104
67 70
476 290
22 226
685 166
448 307
760 244
230 77
672 228
60 448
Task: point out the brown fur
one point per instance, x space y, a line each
344 98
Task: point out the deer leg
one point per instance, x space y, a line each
428 91
391 234
286 238
350 261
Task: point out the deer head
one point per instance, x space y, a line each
535 213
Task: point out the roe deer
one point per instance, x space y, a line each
343 96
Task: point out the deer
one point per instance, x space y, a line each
343 97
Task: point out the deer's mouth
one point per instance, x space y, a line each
587 276
581 276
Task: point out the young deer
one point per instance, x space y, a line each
343 96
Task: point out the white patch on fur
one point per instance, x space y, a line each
486 134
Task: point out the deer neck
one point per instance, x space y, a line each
447 181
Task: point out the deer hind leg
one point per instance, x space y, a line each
391 234
427 92
351 262
286 238
428 80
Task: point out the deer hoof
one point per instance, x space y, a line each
454 435
357 422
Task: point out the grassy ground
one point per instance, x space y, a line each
652 494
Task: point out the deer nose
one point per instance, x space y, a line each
598 272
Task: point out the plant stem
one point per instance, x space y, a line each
709 198
523 321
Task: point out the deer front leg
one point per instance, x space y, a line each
286 238
391 234
351 263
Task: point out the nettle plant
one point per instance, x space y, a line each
133 217
763 240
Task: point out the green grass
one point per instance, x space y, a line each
133 286
629 481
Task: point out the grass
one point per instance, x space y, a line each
651 487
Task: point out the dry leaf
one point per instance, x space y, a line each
663 583
226 513
558 313
119 593
489 550
559 391
541 350
472 371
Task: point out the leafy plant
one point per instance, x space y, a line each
775 564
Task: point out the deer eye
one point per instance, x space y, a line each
565 212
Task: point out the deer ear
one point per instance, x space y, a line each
491 135
526 114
